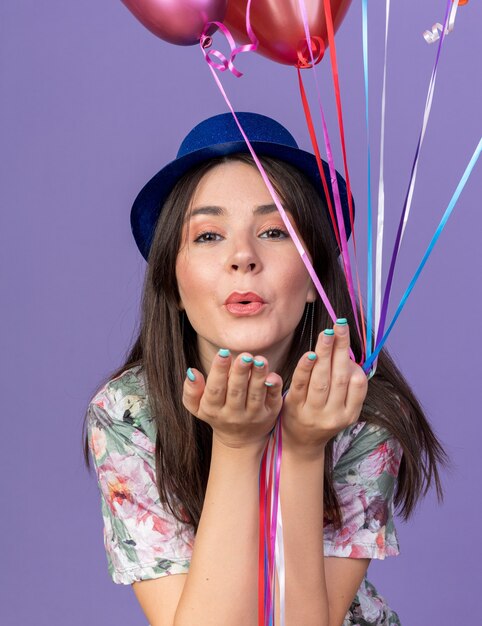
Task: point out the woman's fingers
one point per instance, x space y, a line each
340 365
238 381
274 387
264 387
327 394
242 384
300 380
256 391
357 391
217 381
193 390
319 386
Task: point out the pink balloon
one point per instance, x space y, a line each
178 21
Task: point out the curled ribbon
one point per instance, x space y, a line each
303 52
227 64
434 35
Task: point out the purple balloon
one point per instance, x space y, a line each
178 21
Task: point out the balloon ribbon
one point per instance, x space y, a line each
270 541
334 182
428 252
411 186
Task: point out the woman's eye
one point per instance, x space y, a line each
207 237
274 233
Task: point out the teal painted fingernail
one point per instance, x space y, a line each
312 356
341 321
258 363
190 374
247 359
268 384
224 352
329 331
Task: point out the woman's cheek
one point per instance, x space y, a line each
196 283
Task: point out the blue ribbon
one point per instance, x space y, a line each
441 226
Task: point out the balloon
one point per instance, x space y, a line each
178 21
278 25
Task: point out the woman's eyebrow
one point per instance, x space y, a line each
262 209
265 209
207 210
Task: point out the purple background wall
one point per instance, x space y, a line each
91 105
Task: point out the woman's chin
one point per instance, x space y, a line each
263 346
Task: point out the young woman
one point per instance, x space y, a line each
231 321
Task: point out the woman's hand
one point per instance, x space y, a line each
326 394
235 400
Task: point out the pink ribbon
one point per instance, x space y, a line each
228 64
333 178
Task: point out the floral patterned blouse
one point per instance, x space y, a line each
143 540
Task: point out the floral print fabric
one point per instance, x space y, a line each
143 540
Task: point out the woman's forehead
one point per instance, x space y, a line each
229 179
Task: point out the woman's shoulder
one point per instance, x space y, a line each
119 419
122 393
122 402
361 439
366 446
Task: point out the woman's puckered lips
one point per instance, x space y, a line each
249 296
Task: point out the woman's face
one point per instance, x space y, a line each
241 280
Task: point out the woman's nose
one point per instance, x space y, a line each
250 267
244 257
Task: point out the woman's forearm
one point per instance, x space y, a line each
221 587
301 495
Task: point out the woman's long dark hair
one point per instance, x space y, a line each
183 443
